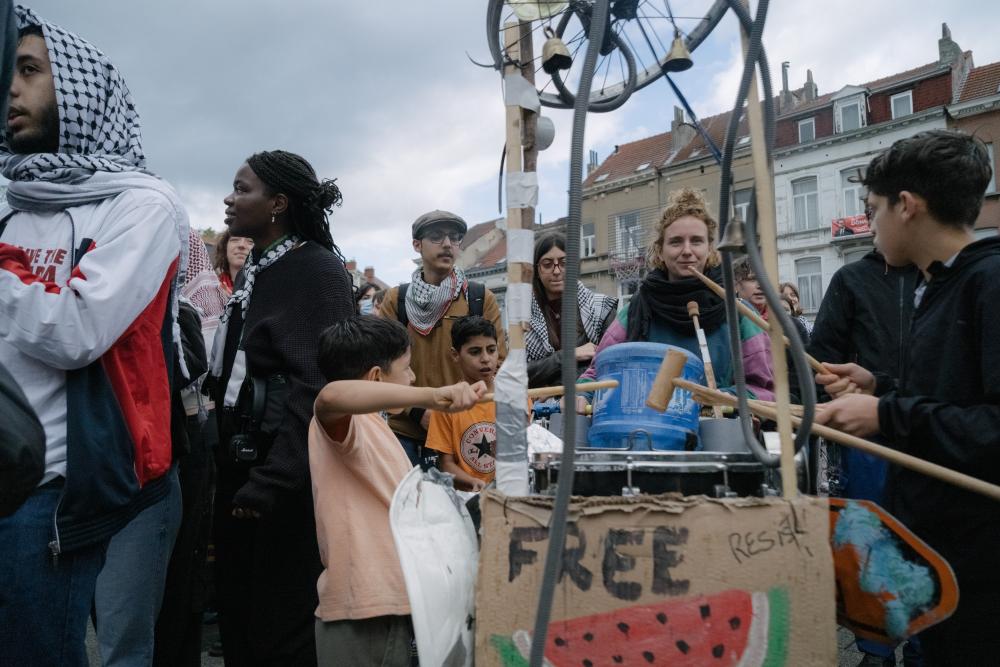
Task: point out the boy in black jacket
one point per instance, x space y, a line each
924 195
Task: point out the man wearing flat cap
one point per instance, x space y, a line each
437 295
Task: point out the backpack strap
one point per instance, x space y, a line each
477 297
401 306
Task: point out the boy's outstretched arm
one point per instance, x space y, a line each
357 397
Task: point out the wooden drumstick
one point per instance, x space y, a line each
547 392
754 317
706 358
670 379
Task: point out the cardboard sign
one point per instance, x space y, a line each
660 580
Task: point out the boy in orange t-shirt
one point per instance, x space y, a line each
468 440
356 463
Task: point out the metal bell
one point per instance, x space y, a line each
733 239
679 58
555 55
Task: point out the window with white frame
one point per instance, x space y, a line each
741 203
628 234
849 115
805 203
588 248
850 185
992 187
809 276
807 130
902 104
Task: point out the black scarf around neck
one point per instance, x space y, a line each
667 300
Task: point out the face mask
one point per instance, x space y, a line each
367 307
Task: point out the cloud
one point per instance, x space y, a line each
382 96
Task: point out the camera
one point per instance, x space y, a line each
242 448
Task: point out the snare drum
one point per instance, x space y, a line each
716 474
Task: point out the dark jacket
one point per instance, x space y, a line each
865 315
196 362
946 409
547 371
293 302
865 319
22 446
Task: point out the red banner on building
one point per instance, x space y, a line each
853 225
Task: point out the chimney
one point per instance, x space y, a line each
949 53
592 164
810 90
785 101
681 133
352 265
369 274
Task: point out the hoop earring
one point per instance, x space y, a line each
272 219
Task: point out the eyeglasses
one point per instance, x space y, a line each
548 264
437 237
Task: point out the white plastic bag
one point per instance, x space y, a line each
439 554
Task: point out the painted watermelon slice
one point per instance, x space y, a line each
734 628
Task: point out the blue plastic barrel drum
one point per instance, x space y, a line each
621 419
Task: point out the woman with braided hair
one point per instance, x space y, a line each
266 378
685 239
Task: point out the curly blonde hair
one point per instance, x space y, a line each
684 202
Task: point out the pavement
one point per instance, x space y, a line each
209 635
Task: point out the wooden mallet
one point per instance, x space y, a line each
669 378
754 317
706 358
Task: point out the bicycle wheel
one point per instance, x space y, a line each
637 44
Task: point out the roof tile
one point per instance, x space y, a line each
981 82
623 162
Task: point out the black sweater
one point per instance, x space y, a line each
946 409
865 315
294 300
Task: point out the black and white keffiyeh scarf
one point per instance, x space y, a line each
98 124
593 307
241 299
426 303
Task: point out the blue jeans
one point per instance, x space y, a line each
872 647
418 454
44 602
130 586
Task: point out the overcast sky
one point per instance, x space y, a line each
382 96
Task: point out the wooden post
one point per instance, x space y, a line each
520 132
530 123
767 228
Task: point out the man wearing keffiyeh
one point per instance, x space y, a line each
91 245
438 295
